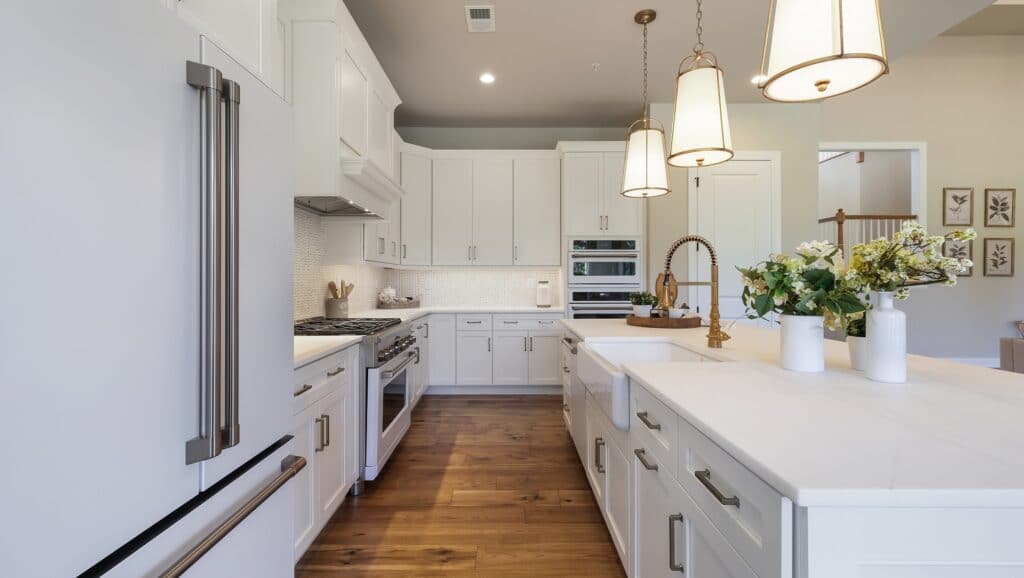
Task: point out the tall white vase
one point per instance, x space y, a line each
802 342
887 341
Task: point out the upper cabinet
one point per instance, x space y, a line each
538 207
417 176
591 183
251 31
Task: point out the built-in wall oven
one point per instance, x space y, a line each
388 401
601 301
604 262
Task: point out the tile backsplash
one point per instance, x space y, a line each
439 287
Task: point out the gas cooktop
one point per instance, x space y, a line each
324 326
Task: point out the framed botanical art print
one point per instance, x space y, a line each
957 206
998 257
1000 206
959 250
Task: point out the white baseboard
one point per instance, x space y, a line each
494 390
979 361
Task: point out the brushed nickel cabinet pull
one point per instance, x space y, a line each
305 387
672 564
335 372
290 466
704 477
320 432
524 345
488 345
647 422
642 456
327 428
404 250
598 444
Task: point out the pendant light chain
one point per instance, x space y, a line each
699 47
644 95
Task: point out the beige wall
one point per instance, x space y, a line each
963 97
839 185
885 183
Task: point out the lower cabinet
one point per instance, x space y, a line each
441 367
609 473
511 358
325 427
545 357
474 358
419 372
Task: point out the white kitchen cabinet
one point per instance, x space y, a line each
379 130
618 472
538 210
382 240
416 173
591 184
307 434
492 211
331 419
511 358
420 370
596 446
441 355
545 357
653 512
474 358
453 211
353 110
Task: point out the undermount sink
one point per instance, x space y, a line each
599 367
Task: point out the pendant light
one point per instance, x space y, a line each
700 128
645 174
814 49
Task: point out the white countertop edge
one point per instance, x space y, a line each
311 348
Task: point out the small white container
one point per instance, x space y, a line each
543 294
642 310
886 342
802 343
858 351
676 313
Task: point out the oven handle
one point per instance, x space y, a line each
600 308
391 373
604 256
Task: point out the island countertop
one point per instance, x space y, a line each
952 436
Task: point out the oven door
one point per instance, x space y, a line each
600 311
387 410
601 302
604 269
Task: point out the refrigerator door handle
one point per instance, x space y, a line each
230 223
209 81
290 466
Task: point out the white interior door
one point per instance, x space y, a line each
735 206
492 212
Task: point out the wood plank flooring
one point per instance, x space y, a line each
481 487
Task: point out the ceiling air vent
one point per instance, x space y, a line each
480 18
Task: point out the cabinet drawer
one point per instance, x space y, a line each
466 322
525 322
653 426
315 380
755 519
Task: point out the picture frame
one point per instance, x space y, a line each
1000 207
999 257
959 250
958 206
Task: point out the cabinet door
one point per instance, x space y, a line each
375 242
393 235
652 507
307 439
492 212
618 471
352 117
581 194
710 554
596 453
546 366
378 131
623 215
330 421
578 409
538 210
453 211
441 354
473 358
234 25
416 177
510 357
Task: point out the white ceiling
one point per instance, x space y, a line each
543 50
993 21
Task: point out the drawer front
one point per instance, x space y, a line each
465 322
755 519
653 426
317 379
520 322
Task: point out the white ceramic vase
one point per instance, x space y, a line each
886 341
858 351
802 342
642 310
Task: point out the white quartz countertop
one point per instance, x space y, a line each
313 347
952 436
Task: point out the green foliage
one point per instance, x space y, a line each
643 298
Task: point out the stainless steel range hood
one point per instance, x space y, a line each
335 207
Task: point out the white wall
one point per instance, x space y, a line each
839 185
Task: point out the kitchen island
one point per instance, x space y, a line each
845 476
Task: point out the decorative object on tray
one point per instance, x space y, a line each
802 290
688 322
957 207
387 294
1000 207
955 249
999 257
889 267
400 303
856 340
678 312
642 303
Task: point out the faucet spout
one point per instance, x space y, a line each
715 334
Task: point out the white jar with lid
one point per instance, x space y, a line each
543 294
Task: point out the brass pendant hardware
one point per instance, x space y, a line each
822 85
645 16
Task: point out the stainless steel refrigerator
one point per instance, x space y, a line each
145 335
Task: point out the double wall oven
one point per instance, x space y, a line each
601 274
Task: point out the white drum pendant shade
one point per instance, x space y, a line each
645 174
815 49
700 129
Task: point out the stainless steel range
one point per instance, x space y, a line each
387 351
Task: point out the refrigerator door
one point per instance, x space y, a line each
98 243
265 200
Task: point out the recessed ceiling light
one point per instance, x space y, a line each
487 78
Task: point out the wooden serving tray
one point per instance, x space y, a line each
664 322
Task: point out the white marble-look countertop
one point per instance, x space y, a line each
952 436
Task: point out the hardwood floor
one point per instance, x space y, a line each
481 486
